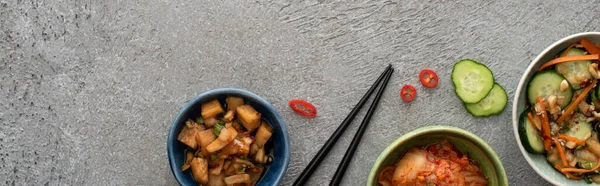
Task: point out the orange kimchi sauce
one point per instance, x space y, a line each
435 164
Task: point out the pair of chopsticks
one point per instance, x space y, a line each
339 173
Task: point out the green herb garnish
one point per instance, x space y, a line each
199 120
564 129
213 157
586 164
217 129
587 179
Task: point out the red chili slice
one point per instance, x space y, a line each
428 78
408 93
303 108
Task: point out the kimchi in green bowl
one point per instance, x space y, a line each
464 142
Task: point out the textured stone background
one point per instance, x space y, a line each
88 88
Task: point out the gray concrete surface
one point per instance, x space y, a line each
88 89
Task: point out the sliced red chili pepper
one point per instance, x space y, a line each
428 78
303 108
408 93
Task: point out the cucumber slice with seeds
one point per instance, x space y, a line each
472 80
576 72
547 83
583 130
530 138
493 103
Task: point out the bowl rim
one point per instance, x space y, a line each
486 148
219 91
520 87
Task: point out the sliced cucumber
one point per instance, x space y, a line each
530 138
547 83
472 80
583 130
493 103
576 72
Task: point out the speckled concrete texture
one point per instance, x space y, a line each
88 88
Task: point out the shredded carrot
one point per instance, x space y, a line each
569 59
545 124
590 47
532 121
567 50
571 176
575 103
565 170
561 152
557 166
570 138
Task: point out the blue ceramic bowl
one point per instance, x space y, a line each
281 143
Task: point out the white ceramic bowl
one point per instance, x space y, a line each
538 161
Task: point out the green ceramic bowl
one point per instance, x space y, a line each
537 161
463 140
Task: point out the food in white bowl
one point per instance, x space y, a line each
556 111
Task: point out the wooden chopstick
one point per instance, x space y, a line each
339 172
307 172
